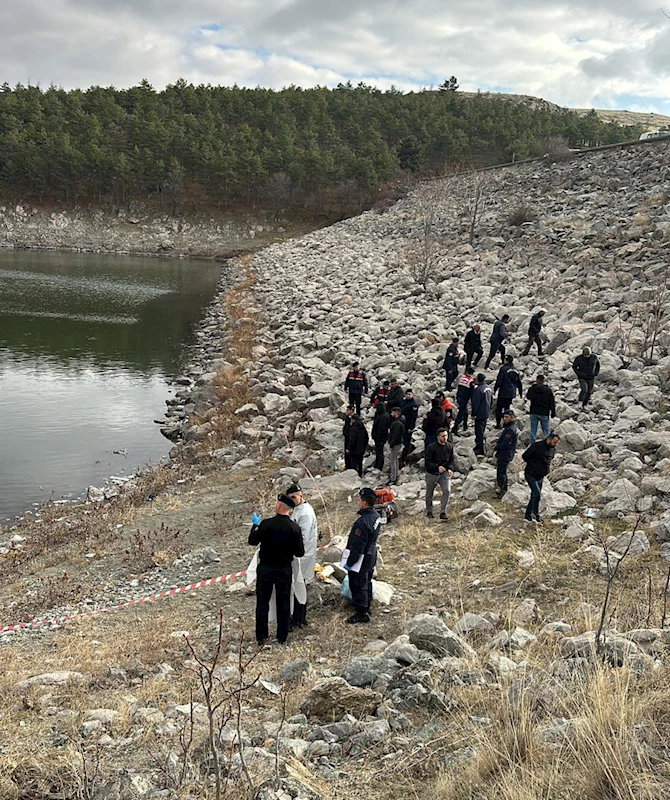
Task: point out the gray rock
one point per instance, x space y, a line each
429 633
332 697
364 670
294 671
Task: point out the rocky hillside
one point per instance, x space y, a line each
483 678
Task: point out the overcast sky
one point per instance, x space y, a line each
602 53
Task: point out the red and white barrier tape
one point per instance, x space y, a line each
45 621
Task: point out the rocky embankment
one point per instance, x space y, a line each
136 232
596 257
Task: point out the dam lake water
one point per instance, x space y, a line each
88 345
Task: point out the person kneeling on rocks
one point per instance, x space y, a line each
303 514
361 555
538 459
280 540
439 458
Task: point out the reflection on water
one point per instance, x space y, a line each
86 346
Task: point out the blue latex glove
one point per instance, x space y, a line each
256 519
347 567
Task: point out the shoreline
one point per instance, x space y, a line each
197 359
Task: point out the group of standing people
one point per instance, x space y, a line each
287 552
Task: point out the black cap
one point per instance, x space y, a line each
286 500
470 371
481 377
367 493
294 488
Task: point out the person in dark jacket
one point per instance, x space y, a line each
450 364
482 399
473 346
396 395
464 389
396 438
534 328
433 421
538 459
362 547
505 450
507 386
542 406
280 541
439 460
345 434
587 368
498 338
357 444
380 433
380 395
410 411
356 384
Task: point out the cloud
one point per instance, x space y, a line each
573 53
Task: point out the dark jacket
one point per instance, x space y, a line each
508 382
363 539
464 389
482 398
397 431
410 410
381 424
541 400
357 441
473 341
395 398
535 325
538 459
433 421
505 447
345 429
356 382
439 455
380 395
586 367
280 539
499 332
451 358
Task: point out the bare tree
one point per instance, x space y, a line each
277 190
421 255
612 563
475 204
654 313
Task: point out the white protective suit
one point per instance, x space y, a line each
306 518
298 589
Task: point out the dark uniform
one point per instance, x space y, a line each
450 365
281 540
505 449
357 444
380 433
357 385
363 541
473 346
534 329
498 338
508 384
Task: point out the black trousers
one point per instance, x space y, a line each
267 579
379 455
480 428
299 616
537 341
360 584
501 474
355 401
450 376
461 417
496 347
357 464
502 404
469 354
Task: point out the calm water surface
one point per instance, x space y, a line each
87 345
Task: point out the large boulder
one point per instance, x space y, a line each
364 670
478 481
573 436
428 632
330 698
347 481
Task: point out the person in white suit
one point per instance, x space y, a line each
303 514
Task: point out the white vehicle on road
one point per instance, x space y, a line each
655 135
